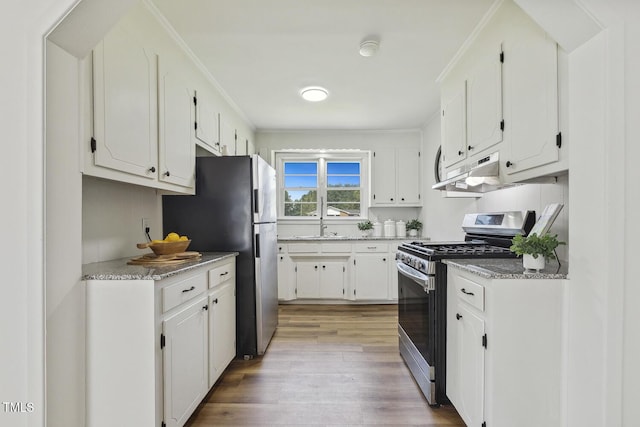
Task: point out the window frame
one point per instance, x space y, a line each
322 157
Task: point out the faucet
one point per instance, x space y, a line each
322 225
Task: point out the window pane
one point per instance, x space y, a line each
301 168
301 196
352 168
300 209
343 181
343 196
294 181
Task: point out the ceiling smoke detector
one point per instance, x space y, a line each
314 93
369 47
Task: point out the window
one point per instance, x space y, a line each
327 184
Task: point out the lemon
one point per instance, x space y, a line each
157 241
172 237
183 238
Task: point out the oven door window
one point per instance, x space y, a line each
416 315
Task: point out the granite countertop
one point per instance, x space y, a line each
497 268
345 238
119 269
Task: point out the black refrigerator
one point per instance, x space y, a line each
234 209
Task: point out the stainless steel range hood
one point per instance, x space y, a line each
479 176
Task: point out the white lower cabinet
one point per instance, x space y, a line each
371 273
320 278
504 340
155 348
335 270
185 362
222 329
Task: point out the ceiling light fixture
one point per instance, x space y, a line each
314 93
369 47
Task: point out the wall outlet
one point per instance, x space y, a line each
145 227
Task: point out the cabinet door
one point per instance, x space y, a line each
384 177
286 277
470 357
408 168
206 124
222 329
371 276
454 127
176 147
307 279
185 362
484 104
228 136
125 105
531 103
332 279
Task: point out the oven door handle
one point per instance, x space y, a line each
428 283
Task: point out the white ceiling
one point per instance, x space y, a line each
262 52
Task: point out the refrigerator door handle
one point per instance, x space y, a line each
256 204
257 246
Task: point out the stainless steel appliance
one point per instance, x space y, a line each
234 209
422 291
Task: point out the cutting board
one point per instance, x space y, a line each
152 259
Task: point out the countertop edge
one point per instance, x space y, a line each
118 269
483 268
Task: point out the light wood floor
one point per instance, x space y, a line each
326 366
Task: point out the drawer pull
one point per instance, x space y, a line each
458 316
372 247
464 291
188 290
215 301
205 308
224 274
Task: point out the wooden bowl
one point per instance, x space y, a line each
168 248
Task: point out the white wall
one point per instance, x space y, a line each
268 141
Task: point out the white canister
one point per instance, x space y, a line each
389 228
401 229
377 229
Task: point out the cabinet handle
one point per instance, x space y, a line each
460 153
469 148
215 301
188 290
152 169
508 164
167 173
371 247
324 266
281 258
391 199
205 308
464 291
224 274
458 316
315 266
384 259
402 199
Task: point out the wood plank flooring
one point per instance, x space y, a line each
327 365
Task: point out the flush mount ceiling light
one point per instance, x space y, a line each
314 93
369 47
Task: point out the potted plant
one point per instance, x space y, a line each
535 250
365 226
414 226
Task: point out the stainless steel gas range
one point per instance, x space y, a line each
422 291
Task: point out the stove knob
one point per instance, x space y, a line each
423 266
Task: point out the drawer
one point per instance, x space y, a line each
221 274
303 248
372 247
176 294
332 248
470 292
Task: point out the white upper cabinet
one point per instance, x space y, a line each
484 103
206 124
454 126
501 95
176 148
396 177
125 105
531 98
